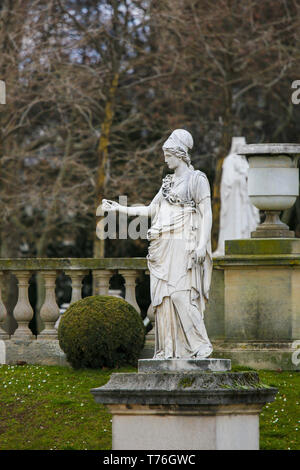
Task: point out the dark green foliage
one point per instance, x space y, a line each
101 331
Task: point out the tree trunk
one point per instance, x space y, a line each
42 243
224 149
103 167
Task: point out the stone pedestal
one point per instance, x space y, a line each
272 227
261 302
38 351
184 365
184 410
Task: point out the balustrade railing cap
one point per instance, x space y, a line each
41 264
269 149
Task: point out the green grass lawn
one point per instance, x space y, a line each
280 420
51 407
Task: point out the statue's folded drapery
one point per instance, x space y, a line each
179 285
238 217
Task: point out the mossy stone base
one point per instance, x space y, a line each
185 410
263 246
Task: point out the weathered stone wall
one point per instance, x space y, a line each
43 352
261 303
214 312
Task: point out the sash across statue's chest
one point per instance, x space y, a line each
175 190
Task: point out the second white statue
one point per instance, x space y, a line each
179 257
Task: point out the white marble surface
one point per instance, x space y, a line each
184 365
277 149
273 180
179 257
225 430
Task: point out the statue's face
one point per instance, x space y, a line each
171 160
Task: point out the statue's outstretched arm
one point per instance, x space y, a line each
129 210
144 211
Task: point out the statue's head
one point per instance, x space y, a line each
236 143
177 146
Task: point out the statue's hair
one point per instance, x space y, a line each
183 155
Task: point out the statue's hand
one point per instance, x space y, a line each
110 205
199 255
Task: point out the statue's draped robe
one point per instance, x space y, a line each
238 217
179 285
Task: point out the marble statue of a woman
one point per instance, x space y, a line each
238 217
179 257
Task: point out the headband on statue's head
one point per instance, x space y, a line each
180 139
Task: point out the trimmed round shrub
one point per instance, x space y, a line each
101 331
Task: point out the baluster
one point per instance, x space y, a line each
102 277
3 312
130 276
149 347
76 278
23 311
50 310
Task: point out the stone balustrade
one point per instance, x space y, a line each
270 344
21 345
76 268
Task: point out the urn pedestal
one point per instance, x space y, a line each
185 405
273 184
262 274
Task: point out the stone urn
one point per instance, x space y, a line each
273 184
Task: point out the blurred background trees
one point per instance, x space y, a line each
94 87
